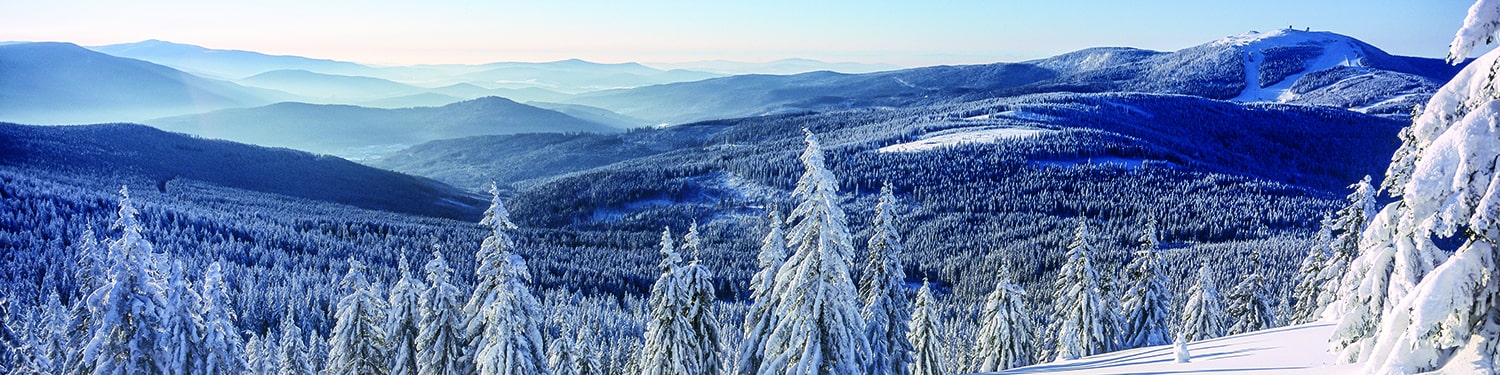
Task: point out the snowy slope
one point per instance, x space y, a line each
1336 50
1301 349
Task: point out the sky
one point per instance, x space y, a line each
905 33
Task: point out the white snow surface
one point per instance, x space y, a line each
1338 50
964 136
1300 349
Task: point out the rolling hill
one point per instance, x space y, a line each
361 132
61 83
225 64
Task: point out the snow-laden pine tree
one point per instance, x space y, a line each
53 336
440 340
292 351
255 355
561 355
1147 302
1305 295
359 344
402 321
882 290
269 363
586 362
504 317
762 318
90 274
222 346
819 329
182 326
1249 303
682 336
924 335
127 304
1348 225
1445 177
1079 319
1202 316
1005 337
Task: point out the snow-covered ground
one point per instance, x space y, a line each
1301 349
1338 50
982 135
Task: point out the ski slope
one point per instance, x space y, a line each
1338 50
1301 349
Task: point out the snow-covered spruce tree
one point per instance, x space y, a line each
561 355
1203 315
90 274
440 338
761 318
1348 225
1445 176
222 345
682 336
292 352
1005 334
1249 304
885 301
402 322
255 356
1079 321
923 334
1305 295
819 329
182 326
269 363
127 304
358 345
504 317
586 362
53 336
1147 302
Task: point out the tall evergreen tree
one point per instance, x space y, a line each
1249 304
1079 320
292 352
1203 316
761 319
255 356
1348 224
91 265
440 340
402 322
182 326
222 345
885 303
359 344
561 356
1147 302
127 304
1306 294
586 345
923 335
504 326
819 329
1005 335
682 335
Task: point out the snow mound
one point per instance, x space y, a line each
965 136
1337 50
1301 349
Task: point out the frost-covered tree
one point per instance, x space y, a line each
761 318
182 326
255 356
1079 319
561 356
1348 225
359 344
1305 295
91 263
881 289
1005 337
504 317
1203 315
292 351
1147 302
586 362
924 335
127 304
440 338
402 321
1445 176
222 346
682 336
819 329
1249 302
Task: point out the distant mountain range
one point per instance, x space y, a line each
125 152
783 66
1318 68
361 132
61 83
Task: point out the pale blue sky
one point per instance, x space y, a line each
909 33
